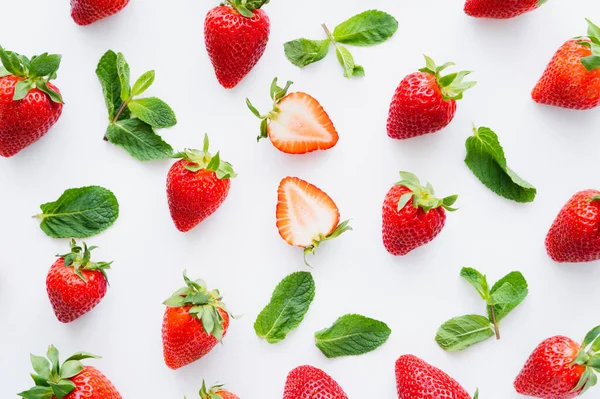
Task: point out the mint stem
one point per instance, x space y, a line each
495 322
119 112
329 35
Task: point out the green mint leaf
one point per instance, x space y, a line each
302 52
124 77
351 335
507 294
143 83
22 88
358 71
111 84
461 332
485 158
79 213
44 65
366 29
138 139
347 61
289 303
477 280
153 111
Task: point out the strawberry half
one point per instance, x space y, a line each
297 124
85 12
306 216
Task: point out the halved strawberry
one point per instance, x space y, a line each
298 124
306 216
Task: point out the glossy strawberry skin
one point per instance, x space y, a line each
193 196
24 122
92 384
566 82
235 43
85 12
418 107
409 228
548 373
416 379
184 337
575 234
499 9
310 382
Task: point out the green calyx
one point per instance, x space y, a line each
596 198
80 259
541 2
212 392
339 230
32 74
203 160
52 379
476 396
204 304
591 62
453 85
423 197
245 7
589 357
277 93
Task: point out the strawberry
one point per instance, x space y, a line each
560 368
236 35
306 216
197 185
572 78
194 322
500 9
298 124
310 382
215 392
417 379
71 380
29 104
410 224
75 284
85 12
425 101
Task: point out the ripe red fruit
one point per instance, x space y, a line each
310 382
29 104
85 12
197 185
572 78
236 36
194 322
412 216
71 380
560 368
500 9
416 378
425 101
215 392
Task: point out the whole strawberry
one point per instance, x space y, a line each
412 215
425 101
29 104
71 380
572 78
310 382
500 9
85 12
575 234
417 379
75 284
236 35
197 185
560 368
194 322
215 392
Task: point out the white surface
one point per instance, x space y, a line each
238 249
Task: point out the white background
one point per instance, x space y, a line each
239 250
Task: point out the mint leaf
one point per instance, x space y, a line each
138 139
111 84
477 280
485 158
366 29
347 61
461 332
289 303
124 77
79 213
302 52
507 294
44 65
352 334
153 111
143 83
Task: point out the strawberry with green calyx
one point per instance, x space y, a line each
29 103
215 392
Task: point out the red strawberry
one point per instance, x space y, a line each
297 124
560 368
236 36
215 392
29 104
417 379
500 9
412 216
572 78
310 382
71 380
306 216
197 185
425 101
75 284
195 321
85 12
